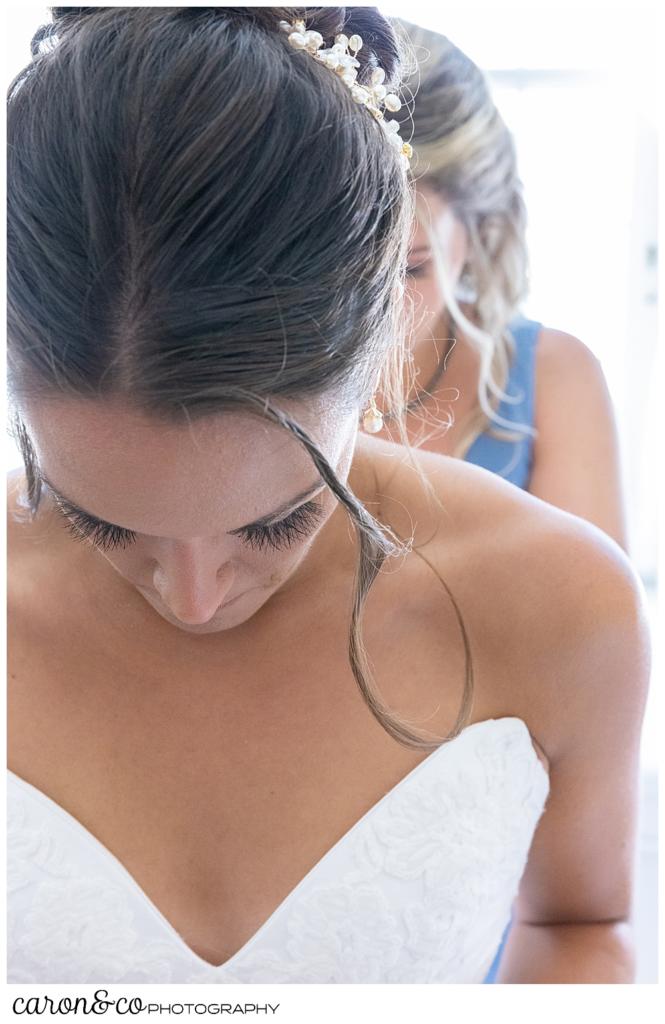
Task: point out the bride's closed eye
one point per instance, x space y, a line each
294 527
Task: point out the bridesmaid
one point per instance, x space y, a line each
488 385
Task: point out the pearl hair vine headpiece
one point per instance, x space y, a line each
341 58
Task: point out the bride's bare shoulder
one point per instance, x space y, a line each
473 515
464 508
20 525
33 542
26 534
537 586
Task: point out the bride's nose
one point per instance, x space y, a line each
193 580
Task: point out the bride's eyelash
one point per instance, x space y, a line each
297 525
83 527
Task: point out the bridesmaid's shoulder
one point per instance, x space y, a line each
569 376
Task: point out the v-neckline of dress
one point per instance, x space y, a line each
106 854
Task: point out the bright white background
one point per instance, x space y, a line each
576 85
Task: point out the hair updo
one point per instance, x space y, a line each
202 220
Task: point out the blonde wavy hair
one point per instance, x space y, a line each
464 152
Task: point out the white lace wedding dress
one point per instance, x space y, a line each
418 890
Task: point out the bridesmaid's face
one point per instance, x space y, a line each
422 283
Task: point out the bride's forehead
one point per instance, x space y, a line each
162 480
110 427
129 464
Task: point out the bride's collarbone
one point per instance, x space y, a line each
126 782
472 552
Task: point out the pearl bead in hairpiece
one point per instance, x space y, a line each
341 58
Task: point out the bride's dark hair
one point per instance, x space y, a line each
202 219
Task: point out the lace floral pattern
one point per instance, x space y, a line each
419 890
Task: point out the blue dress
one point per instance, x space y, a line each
512 459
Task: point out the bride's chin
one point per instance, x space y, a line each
229 614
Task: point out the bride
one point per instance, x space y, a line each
286 702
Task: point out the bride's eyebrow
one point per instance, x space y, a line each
265 520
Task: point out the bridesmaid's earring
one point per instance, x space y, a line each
465 289
372 418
